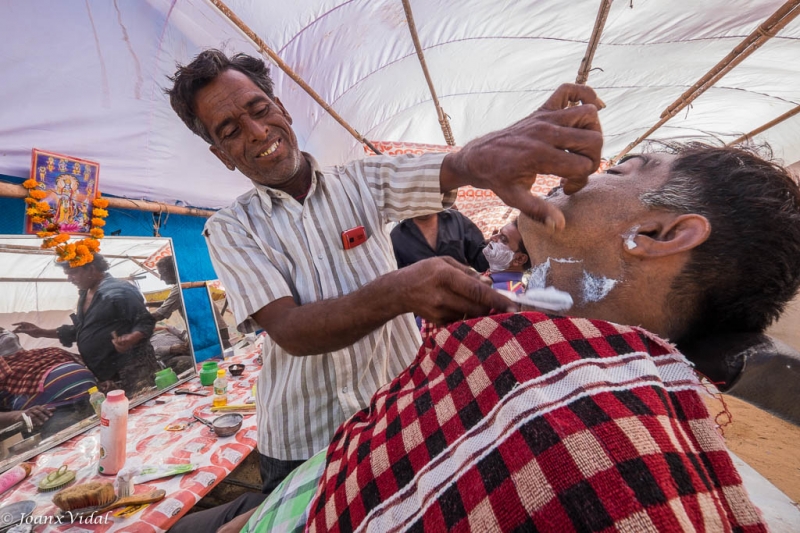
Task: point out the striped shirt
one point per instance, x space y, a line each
268 246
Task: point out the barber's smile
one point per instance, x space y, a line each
270 150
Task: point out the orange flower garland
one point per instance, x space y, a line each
77 253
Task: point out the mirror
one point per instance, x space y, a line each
229 336
112 323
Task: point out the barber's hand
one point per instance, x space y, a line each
28 329
107 386
556 139
123 343
39 414
442 290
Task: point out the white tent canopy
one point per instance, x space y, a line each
84 78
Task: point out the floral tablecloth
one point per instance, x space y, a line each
149 443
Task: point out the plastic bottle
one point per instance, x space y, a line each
14 476
220 389
96 398
113 433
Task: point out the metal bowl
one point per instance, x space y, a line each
227 425
236 370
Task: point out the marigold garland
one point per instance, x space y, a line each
76 253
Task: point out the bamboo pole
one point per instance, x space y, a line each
776 22
774 122
443 120
38 250
262 47
192 284
594 41
9 190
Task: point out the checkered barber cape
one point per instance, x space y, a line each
526 422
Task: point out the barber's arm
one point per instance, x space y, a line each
132 308
556 139
440 289
34 331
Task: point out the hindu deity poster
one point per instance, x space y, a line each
70 184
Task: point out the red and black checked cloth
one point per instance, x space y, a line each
23 372
526 422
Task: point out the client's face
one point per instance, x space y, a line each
586 258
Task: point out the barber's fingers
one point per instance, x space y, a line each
39 414
534 207
583 117
480 295
572 93
471 272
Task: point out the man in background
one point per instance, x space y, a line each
40 383
111 326
447 233
508 259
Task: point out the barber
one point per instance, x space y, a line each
306 256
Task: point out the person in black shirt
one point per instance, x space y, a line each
111 326
447 233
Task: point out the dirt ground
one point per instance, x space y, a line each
765 442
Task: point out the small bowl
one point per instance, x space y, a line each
227 425
236 370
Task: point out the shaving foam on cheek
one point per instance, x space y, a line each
595 288
630 244
538 279
539 273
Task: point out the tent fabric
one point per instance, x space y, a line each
86 78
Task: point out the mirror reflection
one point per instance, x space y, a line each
229 336
111 324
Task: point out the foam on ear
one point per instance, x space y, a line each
629 237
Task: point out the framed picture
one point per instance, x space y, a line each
71 184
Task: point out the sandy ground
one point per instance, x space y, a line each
765 442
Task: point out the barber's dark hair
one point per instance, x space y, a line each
522 248
742 277
99 262
166 262
203 69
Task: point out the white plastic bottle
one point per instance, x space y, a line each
113 433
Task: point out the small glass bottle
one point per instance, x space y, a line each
220 389
96 399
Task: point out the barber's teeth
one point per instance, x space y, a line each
270 149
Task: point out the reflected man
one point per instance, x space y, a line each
111 326
41 383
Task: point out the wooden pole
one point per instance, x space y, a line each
594 41
9 190
262 47
774 122
443 120
776 22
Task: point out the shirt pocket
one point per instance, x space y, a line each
361 253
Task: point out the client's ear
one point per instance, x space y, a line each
667 235
222 156
519 259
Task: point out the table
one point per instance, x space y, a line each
149 443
